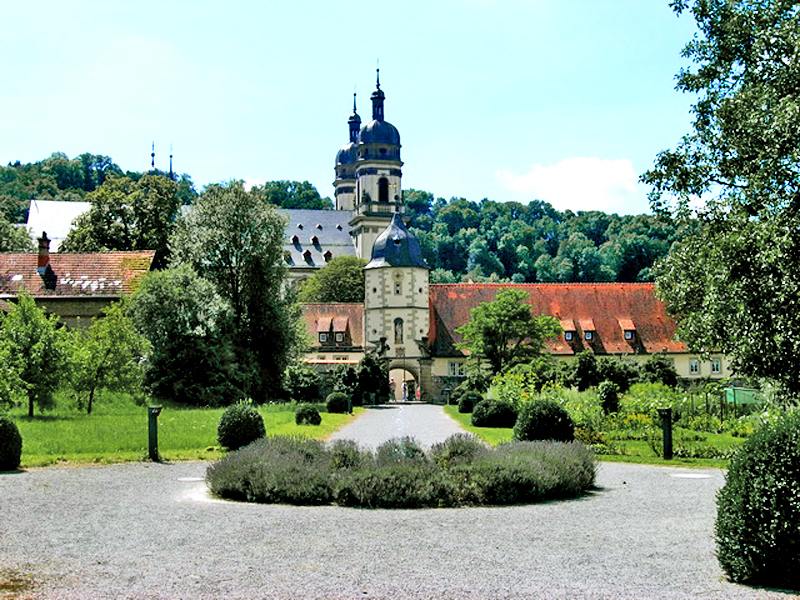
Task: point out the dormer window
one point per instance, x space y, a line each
307 256
299 225
319 225
323 338
588 335
314 240
588 328
295 240
628 329
629 335
569 336
339 338
327 256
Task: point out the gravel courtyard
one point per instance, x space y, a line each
148 531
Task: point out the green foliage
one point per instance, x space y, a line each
301 383
234 240
14 239
341 280
307 415
337 402
494 413
758 509
372 378
192 358
468 400
107 354
458 472
732 282
659 369
37 351
240 425
291 194
544 420
608 393
10 444
503 332
622 372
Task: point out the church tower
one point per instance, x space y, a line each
345 184
378 171
396 305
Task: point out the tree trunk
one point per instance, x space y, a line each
89 406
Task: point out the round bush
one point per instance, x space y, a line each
544 420
399 450
307 415
336 402
468 400
457 449
239 425
10 445
758 508
608 392
493 413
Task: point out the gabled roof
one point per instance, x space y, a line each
324 317
101 274
310 234
600 305
54 217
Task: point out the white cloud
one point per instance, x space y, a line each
581 184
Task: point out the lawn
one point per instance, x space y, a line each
118 433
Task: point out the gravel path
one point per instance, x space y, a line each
150 531
426 423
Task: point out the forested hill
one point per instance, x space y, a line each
462 240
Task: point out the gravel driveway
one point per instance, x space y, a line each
147 531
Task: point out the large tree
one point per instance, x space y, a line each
234 239
13 238
504 332
732 283
341 280
291 194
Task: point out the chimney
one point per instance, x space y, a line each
44 251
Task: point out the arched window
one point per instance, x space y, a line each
398 331
383 190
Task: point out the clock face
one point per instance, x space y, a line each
397 276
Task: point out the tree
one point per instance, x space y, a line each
341 280
107 355
503 332
14 239
191 358
291 194
234 240
732 282
128 215
37 350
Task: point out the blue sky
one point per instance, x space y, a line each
566 101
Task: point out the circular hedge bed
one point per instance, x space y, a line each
461 471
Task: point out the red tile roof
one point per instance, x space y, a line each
608 307
100 274
320 317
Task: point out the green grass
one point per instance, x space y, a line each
633 451
117 432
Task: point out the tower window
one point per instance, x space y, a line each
383 190
398 331
398 289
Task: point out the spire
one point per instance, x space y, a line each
355 122
153 156
377 99
171 176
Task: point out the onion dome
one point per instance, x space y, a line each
379 132
347 155
396 246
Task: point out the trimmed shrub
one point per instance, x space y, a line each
307 415
239 425
493 413
468 400
10 445
608 392
758 508
337 402
457 449
544 420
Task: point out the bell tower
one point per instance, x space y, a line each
345 183
378 173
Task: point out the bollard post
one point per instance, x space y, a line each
666 428
152 429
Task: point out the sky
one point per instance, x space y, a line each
566 101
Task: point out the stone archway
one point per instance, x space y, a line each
404 374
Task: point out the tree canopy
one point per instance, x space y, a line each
291 194
504 332
341 280
732 282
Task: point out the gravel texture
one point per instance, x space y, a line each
148 531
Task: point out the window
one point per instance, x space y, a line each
398 331
339 337
323 338
383 190
398 289
694 366
716 366
457 369
629 335
569 336
588 335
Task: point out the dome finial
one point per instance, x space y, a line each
378 75
377 99
153 156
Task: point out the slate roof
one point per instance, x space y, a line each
101 274
314 237
54 217
607 309
338 318
396 247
